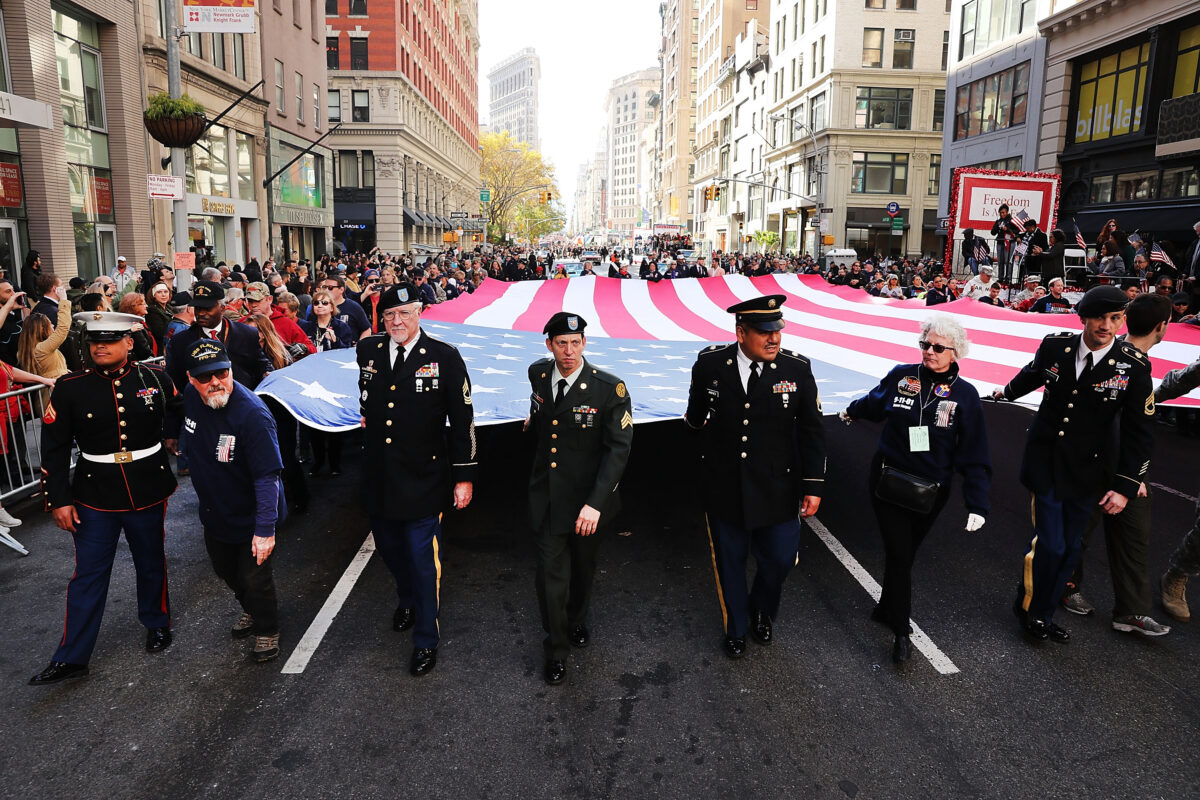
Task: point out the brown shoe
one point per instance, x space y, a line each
266 647
243 627
1174 599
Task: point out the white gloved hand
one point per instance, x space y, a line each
974 522
844 417
998 393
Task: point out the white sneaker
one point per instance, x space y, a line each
1146 626
7 519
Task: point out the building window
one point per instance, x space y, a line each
279 85
935 173
358 53
902 49
239 56
347 171
245 165
331 8
906 5
193 45
299 79
872 55
939 109
1112 92
992 103
879 173
331 53
752 5
360 106
368 169
218 50
333 105
358 8
208 163
1137 186
816 113
1101 191
814 175
1013 164
986 22
878 107
1180 182
876 4
316 95
945 49
1187 64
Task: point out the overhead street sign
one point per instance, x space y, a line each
893 209
485 195
458 215
897 224
472 224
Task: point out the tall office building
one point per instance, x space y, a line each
513 99
677 121
403 81
627 112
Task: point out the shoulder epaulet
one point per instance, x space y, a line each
70 376
792 354
713 348
1127 349
602 376
1061 335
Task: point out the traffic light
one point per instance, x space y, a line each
708 193
716 193
549 197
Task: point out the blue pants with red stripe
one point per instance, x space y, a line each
96 536
410 550
1058 527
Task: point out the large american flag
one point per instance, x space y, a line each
648 334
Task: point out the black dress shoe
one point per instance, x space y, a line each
424 659
58 671
735 647
1057 633
760 627
403 619
901 649
315 470
158 639
580 636
1035 629
555 672
877 615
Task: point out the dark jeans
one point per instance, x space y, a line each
253 584
1127 538
902 532
327 445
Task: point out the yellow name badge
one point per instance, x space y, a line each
918 439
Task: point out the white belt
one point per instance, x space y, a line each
123 457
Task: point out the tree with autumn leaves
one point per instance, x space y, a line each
518 177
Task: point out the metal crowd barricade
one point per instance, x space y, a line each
21 473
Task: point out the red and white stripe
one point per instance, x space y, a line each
841 326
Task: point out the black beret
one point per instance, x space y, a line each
764 313
564 323
1101 300
399 294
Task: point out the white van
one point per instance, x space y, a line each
843 257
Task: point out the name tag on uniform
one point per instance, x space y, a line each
918 439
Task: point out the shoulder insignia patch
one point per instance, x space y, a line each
466 391
50 415
621 389
626 421
1150 405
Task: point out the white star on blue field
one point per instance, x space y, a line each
657 373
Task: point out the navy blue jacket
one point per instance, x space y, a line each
911 395
250 364
230 452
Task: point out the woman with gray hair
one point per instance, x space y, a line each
933 426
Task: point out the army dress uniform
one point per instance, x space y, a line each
582 445
412 461
763 451
118 418
1066 465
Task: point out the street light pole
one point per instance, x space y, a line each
175 91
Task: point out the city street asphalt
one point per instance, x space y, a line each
652 708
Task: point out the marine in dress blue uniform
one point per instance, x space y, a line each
1067 451
763 459
117 413
582 419
409 385
236 469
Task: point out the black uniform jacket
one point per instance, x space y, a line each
761 454
132 408
412 458
1069 443
583 444
250 364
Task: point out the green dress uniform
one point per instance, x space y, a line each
583 444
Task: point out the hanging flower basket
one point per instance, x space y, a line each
174 122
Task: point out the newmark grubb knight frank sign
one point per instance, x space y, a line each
218 16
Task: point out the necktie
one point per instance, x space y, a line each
1087 368
399 357
562 389
750 384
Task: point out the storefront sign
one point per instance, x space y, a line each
283 215
977 194
25 113
102 193
216 207
218 16
165 187
10 186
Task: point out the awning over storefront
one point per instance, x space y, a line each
413 217
353 212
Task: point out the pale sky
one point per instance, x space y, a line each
584 47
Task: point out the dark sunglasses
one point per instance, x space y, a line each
220 374
937 348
